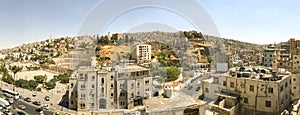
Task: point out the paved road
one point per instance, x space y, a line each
192 91
30 108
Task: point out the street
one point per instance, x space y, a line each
184 96
30 108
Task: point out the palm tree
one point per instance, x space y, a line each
15 70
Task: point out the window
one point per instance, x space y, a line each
92 104
82 105
138 93
72 85
93 77
231 84
252 88
147 82
81 74
111 77
294 87
121 85
246 100
85 76
206 90
224 83
138 84
268 103
82 86
102 90
82 95
102 80
294 79
112 103
93 86
281 88
72 102
270 90
286 84
111 94
122 94
93 95
112 85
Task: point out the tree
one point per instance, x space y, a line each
51 84
7 78
40 78
97 49
172 73
160 80
63 78
15 70
209 59
32 84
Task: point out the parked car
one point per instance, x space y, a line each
45 106
19 113
198 88
22 107
47 98
7 112
40 110
27 99
37 103
34 94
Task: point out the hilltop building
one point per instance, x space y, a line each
142 53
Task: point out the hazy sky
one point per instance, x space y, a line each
257 21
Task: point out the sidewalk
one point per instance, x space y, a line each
55 96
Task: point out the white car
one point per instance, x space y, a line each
22 107
45 106
7 112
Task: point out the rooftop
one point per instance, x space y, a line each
258 73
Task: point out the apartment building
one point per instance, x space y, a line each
253 90
120 87
281 55
142 53
134 84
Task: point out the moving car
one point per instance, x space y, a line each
22 107
27 99
19 113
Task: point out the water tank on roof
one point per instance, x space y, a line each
168 91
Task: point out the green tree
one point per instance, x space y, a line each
209 59
63 78
40 78
15 70
51 84
7 78
172 73
97 49
32 84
